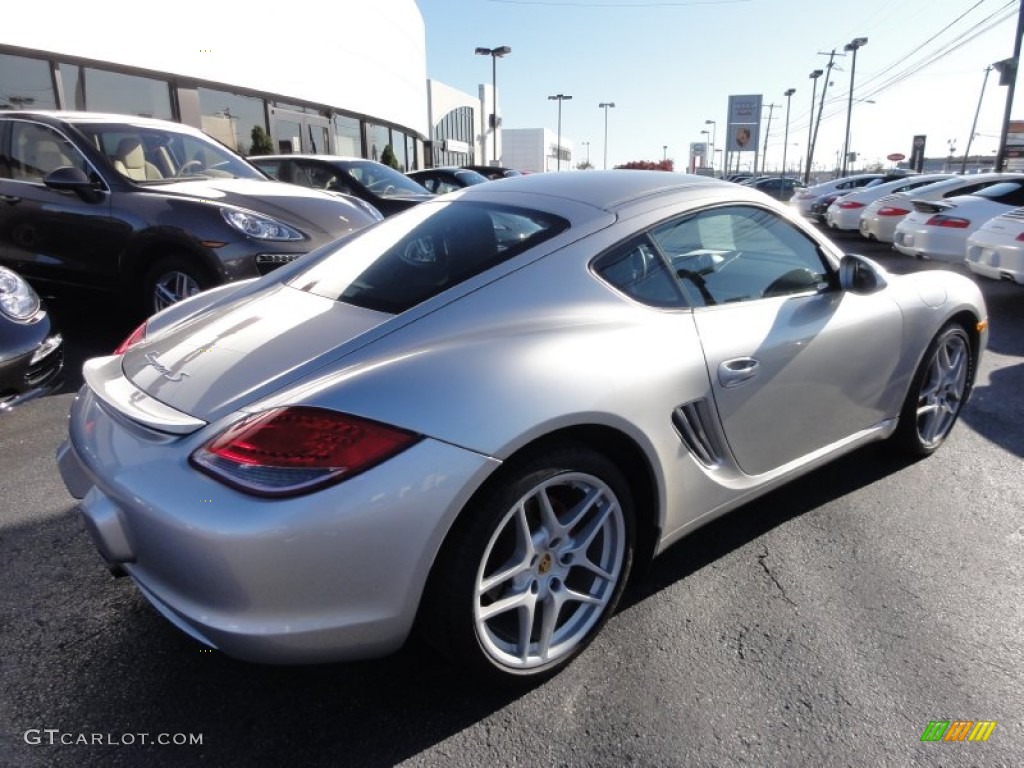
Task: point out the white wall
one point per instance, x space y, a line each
527 150
442 99
367 56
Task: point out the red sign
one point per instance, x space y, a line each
896 157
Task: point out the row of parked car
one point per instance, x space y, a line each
975 219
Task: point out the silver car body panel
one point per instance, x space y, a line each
533 346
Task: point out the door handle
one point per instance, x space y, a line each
10 199
734 372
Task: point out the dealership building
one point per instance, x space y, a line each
231 72
227 70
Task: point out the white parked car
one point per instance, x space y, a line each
938 229
844 213
878 220
804 198
996 250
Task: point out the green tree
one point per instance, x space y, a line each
586 165
388 157
261 143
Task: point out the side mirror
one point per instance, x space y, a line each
860 275
70 179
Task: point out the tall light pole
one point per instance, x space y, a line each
604 105
495 54
785 141
853 45
558 146
714 126
810 124
587 145
664 152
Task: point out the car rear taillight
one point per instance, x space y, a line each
892 210
952 222
139 334
297 449
848 204
1020 238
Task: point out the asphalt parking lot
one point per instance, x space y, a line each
825 624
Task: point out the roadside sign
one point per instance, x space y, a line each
896 157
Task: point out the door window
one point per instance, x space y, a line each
38 149
740 253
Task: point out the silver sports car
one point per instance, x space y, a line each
477 416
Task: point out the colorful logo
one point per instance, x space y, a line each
958 730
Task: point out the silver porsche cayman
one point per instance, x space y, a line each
476 417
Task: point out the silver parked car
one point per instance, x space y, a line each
478 416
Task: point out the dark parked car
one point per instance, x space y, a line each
494 171
380 185
821 203
31 351
781 188
153 210
441 180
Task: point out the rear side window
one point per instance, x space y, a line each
1007 193
410 258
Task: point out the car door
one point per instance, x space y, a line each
50 234
796 364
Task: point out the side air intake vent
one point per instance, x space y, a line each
693 423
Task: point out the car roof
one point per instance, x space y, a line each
606 190
309 156
94 117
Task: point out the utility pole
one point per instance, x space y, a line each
974 125
764 156
821 104
1008 77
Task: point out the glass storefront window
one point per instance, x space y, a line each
25 83
377 137
98 90
346 137
398 145
231 118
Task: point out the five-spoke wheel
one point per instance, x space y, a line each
537 567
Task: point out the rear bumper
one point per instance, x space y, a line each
333 575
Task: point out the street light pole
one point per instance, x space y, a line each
714 126
853 45
810 124
587 145
604 105
558 146
785 141
495 54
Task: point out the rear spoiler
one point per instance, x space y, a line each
931 206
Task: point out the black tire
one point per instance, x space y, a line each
487 541
937 393
158 289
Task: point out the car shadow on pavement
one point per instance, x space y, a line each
745 524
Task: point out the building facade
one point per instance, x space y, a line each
238 77
536 150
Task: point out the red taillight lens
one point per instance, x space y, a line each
891 210
952 222
1020 238
849 204
287 451
139 334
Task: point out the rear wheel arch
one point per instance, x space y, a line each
615 445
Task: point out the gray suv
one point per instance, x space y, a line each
152 210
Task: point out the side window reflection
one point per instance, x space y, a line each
740 253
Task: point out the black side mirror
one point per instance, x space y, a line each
860 275
70 179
